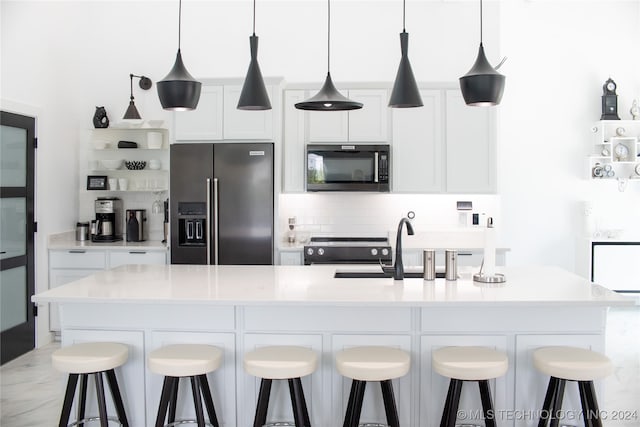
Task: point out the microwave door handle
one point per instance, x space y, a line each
375 167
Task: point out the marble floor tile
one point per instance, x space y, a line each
31 390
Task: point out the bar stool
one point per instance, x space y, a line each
280 363
469 364
564 364
372 363
92 358
185 360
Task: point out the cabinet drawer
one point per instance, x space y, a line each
133 256
77 259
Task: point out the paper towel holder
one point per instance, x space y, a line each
488 278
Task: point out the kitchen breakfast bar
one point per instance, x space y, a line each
240 308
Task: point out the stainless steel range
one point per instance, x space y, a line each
347 250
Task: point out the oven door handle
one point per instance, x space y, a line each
375 167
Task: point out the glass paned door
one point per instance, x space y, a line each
17 323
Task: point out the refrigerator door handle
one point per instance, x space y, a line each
208 220
215 220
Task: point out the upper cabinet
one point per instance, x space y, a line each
217 117
368 124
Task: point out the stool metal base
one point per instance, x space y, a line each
94 419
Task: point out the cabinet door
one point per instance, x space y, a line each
470 147
417 146
136 256
294 153
246 124
59 277
205 122
371 122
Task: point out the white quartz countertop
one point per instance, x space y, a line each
67 241
315 285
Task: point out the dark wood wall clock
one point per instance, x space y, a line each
609 101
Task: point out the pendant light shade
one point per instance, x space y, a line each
132 111
254 94
482 85
405 91
179 91
328 99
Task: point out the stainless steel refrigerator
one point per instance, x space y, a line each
221 203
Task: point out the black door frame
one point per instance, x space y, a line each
21 338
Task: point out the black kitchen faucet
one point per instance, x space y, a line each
398 269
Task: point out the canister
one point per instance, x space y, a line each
82 231
429 262
451 264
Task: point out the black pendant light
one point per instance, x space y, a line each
482 85
328 99
254 94
132 111
179 91
405 91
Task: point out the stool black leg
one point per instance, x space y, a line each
357 404
557 403
197 400
449 415
297 404
82 398
263 403
173 399
208 400
117 397
390 408
548 402
167 386
350 403
298 385
589 403
68 400
487 404
102 404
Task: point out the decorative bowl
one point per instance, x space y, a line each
135 165
155 123
154 164
111 164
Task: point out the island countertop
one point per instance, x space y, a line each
315 285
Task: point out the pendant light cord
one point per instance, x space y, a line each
403 15
179 22
254 17
328 35
131 79
480 21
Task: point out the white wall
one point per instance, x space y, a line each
64 58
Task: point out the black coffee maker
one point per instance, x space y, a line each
107 223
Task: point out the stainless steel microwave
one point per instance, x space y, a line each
335 167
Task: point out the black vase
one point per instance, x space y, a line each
100 119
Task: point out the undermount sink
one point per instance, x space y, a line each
387 272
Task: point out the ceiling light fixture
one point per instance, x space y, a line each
179 91
132 111
482 85
328 99
254 94
405 93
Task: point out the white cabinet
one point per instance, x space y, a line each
293 162
291 257
470 147
246 124
217 117
368 124
615 153
417 146
206 121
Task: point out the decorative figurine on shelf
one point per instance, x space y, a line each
635 110
100 119
609 101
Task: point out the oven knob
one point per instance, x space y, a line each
309 251
385 251
374 252
320 251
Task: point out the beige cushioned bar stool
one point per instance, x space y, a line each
564 364
92 358
468 364
191 361
281 363
372 363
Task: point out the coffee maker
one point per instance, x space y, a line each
107 222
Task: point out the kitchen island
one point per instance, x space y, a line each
239 308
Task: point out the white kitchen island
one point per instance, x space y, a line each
239 308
